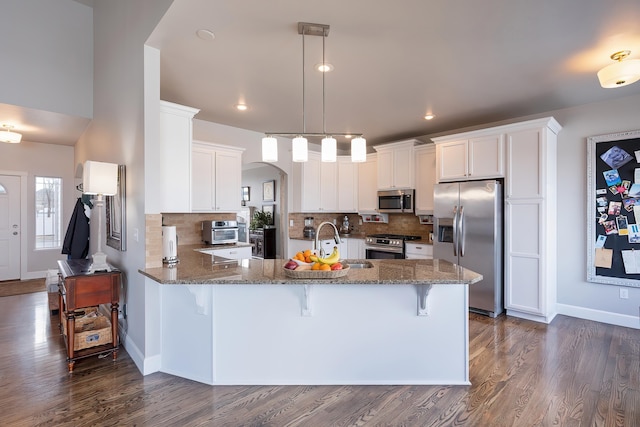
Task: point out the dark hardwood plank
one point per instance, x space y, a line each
570 373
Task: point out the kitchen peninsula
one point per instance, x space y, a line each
246 322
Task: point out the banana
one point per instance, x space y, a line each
331 259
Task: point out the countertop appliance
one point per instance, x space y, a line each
396 201
386 246
468 232
169 245
309 230
220 232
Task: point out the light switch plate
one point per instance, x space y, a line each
624 293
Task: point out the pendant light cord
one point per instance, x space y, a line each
304 121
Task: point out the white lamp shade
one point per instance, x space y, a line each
358 150
269 149
100 178
10 137
300 151
620 73
329 149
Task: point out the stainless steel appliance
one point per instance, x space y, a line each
396 201
468 232
386 246
219 232
309 230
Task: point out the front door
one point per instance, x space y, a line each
9 227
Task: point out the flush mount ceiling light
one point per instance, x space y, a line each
620 73
429 117
300 142
241 107
9 136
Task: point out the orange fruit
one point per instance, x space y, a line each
307 259
315 266
307 253
325 267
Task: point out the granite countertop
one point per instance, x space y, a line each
196 267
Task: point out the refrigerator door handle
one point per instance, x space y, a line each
455 231
461 231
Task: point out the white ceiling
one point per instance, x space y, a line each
469 63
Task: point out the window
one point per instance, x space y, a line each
48 212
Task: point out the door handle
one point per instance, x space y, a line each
461 231
15 233
455 231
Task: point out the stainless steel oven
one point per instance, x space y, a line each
219 232
386 246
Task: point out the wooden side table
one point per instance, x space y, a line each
78 289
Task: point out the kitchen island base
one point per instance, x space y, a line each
277 334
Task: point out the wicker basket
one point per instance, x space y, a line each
82 316
96 332
315 274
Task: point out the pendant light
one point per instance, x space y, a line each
299 144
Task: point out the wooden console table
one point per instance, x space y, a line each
78 289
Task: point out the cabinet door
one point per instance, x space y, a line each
403 167
525 164
328 186
368 185
355 249
310 184
486 157
347 187
452 160
234 253
385 170
425 178
228 181
202 178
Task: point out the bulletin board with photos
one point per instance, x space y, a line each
613 170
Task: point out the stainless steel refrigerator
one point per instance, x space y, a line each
468 232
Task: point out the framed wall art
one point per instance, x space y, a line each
268 191
116 214
613 209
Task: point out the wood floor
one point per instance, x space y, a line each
570 373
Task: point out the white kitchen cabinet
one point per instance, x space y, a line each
231 253
216 177
425 157
418 251
170 177
395 165
368 185
316 185
473 155
530 219
347 185
355 248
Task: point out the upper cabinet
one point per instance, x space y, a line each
425 159
468 157
172 182
368 185
215 177
347 185
395 165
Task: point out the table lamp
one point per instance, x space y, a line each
100 179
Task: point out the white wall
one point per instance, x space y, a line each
49 160
576 296
47 54
117 134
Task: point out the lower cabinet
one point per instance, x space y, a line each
418 251
355 249
233 253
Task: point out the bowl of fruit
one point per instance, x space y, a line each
307 265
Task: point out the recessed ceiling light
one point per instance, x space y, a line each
242 107
205 34
324 68
429 116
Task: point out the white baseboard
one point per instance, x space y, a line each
147 365
599 316
30 275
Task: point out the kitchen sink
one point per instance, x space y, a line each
357 263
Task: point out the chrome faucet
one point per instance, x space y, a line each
336 237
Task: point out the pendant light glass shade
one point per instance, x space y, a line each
329 149
300 152
358 150
269 149
620 73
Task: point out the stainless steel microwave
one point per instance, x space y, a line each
219 232
396 201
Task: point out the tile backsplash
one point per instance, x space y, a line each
398 224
